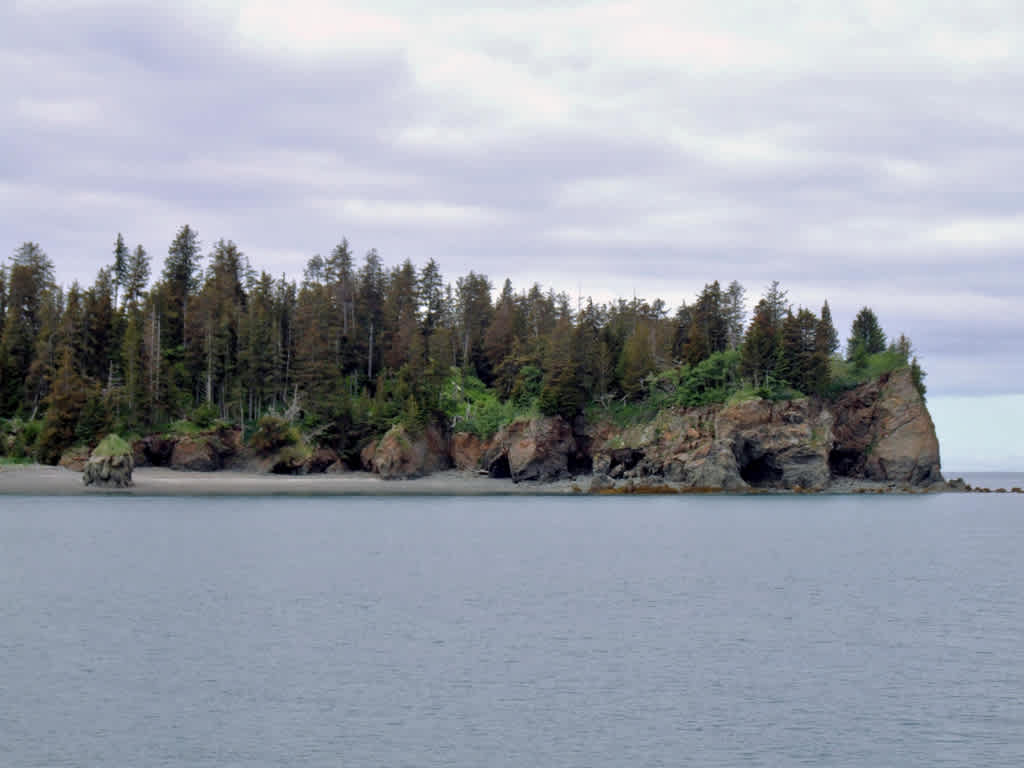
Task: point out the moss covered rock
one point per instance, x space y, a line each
110 465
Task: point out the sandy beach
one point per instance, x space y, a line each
154 481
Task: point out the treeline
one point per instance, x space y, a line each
356 346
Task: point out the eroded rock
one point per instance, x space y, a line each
402 454
108 471
534 449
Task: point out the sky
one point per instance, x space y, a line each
860 151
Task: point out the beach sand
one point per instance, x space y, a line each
40 480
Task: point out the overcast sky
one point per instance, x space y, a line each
867 152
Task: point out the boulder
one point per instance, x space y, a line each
366 455
403 454
110 465
75 458
195 454
201 452
600 483
467 450
321 460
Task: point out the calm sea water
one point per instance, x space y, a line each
842 631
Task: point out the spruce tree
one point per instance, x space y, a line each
120 267
827 329
867 333
181 279
760 352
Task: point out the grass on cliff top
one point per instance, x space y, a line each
112 445
846 375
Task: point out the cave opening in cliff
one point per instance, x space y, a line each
843 463
580 464
761 472
500 467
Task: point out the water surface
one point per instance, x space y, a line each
840 631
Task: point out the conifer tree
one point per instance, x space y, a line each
799 362
827 329
120 267
761 345
180 276
865 333
136 277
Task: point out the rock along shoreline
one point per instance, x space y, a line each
38 480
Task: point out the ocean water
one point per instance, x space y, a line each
654 631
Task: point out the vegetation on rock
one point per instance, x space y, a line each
112 445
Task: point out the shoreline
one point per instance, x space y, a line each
43 480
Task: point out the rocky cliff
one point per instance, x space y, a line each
880 431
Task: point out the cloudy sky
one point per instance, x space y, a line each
864 151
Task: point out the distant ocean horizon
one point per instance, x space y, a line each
988 479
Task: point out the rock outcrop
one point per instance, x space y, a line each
110 465
74 459
879 432
401 454
468 450
883 432
756 443
206 451
542 449
153 451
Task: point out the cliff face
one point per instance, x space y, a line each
400 454
883 431
879 431
537 449
756 443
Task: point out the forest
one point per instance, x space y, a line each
356 347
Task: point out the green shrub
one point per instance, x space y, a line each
273 433
112 445
26 438
205 415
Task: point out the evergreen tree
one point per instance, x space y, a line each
735 314
709 329
637 360
799 361
475 313
3 297
761 346
121 266
777 306
181 279
561 393
30 307
64 404
865 333
136 277
830 338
